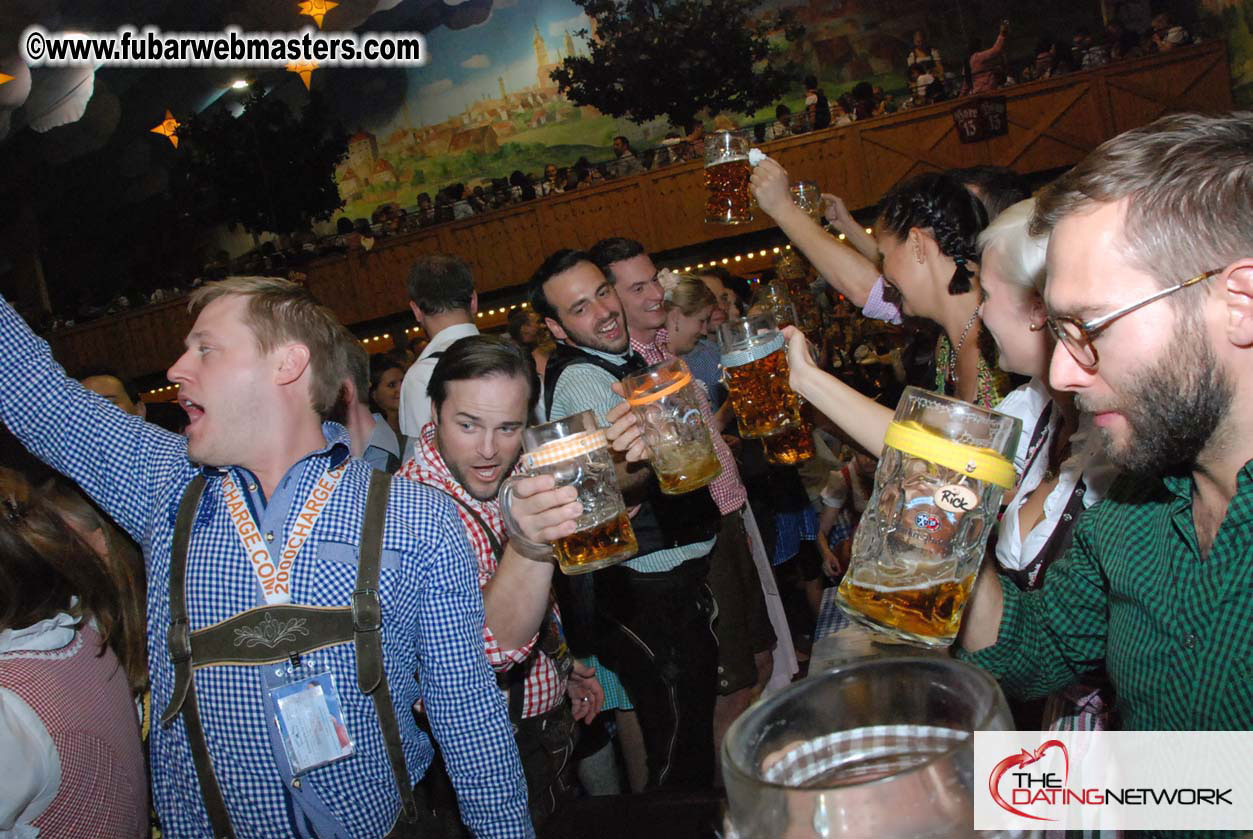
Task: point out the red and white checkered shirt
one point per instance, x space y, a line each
727 489
544 688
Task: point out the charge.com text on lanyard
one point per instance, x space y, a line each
275 578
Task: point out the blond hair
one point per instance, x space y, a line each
1022 254
689 295
279 312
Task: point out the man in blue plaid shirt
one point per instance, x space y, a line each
259 372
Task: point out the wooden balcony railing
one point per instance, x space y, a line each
1052 123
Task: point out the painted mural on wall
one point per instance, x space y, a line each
1234 18
484 106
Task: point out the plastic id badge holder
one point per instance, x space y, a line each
310 720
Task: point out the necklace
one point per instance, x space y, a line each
961 342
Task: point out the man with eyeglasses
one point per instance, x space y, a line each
1150 297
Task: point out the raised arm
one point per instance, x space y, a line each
841 219
119 460
841 266
515 599
860 417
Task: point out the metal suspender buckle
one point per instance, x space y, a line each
178 640
367 611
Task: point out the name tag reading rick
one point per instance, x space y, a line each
310 721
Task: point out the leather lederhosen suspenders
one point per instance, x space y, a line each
360 622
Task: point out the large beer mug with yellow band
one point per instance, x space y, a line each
575 452
946 464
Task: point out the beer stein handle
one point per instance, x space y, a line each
519 540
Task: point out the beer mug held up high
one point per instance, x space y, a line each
755 371
574 451
727 171
664 400
946 465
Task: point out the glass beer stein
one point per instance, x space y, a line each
794 444
726 177
665 400
777 299
755 371
574 451
938 487
807 196
880 748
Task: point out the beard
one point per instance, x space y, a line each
1172 411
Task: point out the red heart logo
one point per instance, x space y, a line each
1026 758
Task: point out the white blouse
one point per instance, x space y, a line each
30 770
1015 550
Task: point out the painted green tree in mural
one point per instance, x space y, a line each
269 169
677 58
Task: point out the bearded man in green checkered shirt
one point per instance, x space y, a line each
1150 298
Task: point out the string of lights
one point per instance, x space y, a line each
373 343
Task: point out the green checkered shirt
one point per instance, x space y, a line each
1173 630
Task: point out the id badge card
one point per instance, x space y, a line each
310 721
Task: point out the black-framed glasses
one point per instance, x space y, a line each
1078 336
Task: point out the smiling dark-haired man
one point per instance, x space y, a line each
649 618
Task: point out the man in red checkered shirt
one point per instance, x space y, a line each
482 392
745 637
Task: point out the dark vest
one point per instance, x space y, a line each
663 521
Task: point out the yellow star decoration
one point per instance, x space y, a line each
5 77
167 128
316 9
304 69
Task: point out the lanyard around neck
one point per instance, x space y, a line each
275 577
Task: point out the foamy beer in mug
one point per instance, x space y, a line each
792 445
664 400
727 171
945 466
755 371
575 452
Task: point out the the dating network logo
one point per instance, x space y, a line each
1022 782
1037 789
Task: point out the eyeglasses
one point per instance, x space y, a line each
1078 337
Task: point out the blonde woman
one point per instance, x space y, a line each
689 306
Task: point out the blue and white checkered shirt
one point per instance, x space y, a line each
432 620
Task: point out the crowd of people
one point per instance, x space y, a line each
928 80
311 585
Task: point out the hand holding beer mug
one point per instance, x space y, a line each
726 177
665 400
770 186
945 466
755 371
543 512
756 375
574 451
